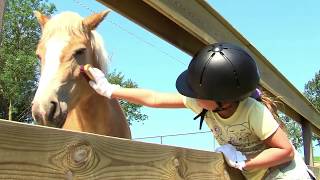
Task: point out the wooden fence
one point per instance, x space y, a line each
37 152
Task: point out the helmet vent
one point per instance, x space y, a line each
235 74
236 78
204 68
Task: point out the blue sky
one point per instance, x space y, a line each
285 32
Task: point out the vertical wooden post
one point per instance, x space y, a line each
307 142
2 5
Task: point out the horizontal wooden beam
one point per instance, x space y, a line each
190 25
152 20
37 152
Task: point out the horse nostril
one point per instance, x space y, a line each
52 110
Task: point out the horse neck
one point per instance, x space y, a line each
100 115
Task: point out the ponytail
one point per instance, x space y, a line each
271 103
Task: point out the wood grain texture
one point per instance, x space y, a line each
316 171
2 8
307 142
36 152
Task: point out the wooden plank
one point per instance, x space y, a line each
190 25
307 142
152 20
2 8
36 152
316 131
315 170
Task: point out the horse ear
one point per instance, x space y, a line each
42 19
91 22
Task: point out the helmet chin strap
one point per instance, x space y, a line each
203 113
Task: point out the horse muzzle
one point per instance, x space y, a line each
53 113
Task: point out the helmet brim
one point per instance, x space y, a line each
182 85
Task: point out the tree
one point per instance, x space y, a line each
132 111
312 93
294 131
18 62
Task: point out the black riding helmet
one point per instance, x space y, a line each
220 72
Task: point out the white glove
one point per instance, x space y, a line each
233 157
101 84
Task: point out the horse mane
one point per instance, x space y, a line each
99 49
72 24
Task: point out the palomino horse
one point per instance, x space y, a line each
64 97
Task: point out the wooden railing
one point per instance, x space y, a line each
37 152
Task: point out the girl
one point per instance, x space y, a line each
217 86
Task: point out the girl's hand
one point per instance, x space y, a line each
233 157
100 83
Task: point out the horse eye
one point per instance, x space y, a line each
79 51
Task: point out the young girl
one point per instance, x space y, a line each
217 86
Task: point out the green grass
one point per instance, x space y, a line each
316 159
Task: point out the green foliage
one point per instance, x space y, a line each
294 131
312 93
132 111
18 62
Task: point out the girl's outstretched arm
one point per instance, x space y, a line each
149 98
134 95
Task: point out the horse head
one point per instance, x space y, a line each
67 41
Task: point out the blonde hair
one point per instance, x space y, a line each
272 104
72 24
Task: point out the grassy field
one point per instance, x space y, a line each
316 159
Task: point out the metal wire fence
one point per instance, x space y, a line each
202 140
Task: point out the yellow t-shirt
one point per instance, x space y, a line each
246 129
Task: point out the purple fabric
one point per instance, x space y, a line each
256 94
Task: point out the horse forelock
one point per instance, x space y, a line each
100 52
64 23
71 24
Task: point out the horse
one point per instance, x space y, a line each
64 98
